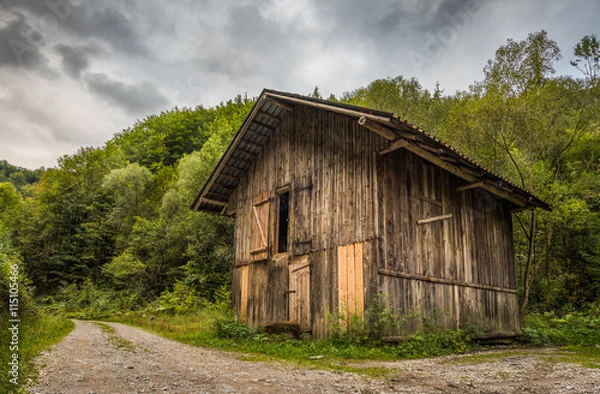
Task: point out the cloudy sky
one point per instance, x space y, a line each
73 72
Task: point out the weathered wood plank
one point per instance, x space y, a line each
435 218
424 278
359 286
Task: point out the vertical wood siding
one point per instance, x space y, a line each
342 192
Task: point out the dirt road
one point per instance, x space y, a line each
123 360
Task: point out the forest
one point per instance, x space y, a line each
109 230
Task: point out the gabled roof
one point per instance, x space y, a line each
272 106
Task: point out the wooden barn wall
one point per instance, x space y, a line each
451 271
329 163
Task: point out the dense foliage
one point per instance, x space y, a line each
110 228
19 177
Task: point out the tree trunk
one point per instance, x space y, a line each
529 271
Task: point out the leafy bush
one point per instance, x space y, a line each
434 343
89 301
577 329
229 327
182 300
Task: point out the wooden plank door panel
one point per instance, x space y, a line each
351 294
299 292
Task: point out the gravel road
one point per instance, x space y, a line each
129 360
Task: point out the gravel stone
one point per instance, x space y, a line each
86 361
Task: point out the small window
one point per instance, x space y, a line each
283 222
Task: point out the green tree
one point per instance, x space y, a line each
587 57
519 66
10 199
128 187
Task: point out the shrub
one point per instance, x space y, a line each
229 327
182 300
580 329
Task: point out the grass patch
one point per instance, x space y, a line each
587 359
114 339
216 328
36 334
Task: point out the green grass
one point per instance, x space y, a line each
589 358
112 337
197 330
36 334
209 328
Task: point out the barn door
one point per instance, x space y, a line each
351 289
299 292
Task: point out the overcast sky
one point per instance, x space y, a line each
73 73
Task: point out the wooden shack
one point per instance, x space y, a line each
335 204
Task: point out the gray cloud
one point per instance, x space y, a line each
75 59
115 26
113 22
20 44
138 99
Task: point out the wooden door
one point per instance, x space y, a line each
299 292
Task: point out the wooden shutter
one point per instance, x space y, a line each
259 246
351 298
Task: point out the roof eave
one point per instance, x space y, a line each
387 125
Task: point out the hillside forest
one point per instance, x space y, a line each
109 230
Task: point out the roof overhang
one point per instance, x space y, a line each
273 106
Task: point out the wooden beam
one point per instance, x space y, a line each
219 194
257 134
231 178
444 281
234 168
280 104
242 160
469 186
333 107
266 126
377 127
430 200
245 152
409 136
464 174
214 202
395 145
252 144
269 116
435 218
